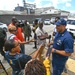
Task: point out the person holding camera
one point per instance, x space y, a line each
14 21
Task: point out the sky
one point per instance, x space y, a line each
68 5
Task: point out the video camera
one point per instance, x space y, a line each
19 23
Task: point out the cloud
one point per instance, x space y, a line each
54 2
47 5
37 2
9 4
68 5
57 2
65 1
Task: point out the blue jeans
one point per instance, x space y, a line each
22 48
18 73
57 68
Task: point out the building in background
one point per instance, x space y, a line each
42 10
52 10
31 9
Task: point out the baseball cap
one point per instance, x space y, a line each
61 22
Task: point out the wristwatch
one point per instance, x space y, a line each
54 50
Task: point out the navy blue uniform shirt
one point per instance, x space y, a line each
62 41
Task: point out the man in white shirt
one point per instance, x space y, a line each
41 38
41 34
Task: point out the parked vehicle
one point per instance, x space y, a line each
52 20
47 21
71 26
3 26
38 19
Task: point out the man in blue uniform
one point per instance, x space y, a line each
62 47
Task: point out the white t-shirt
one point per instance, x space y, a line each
40 32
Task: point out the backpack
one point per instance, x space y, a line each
13 61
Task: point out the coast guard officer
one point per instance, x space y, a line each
62 47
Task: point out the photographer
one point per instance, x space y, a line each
13 22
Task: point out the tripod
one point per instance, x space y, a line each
3 67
